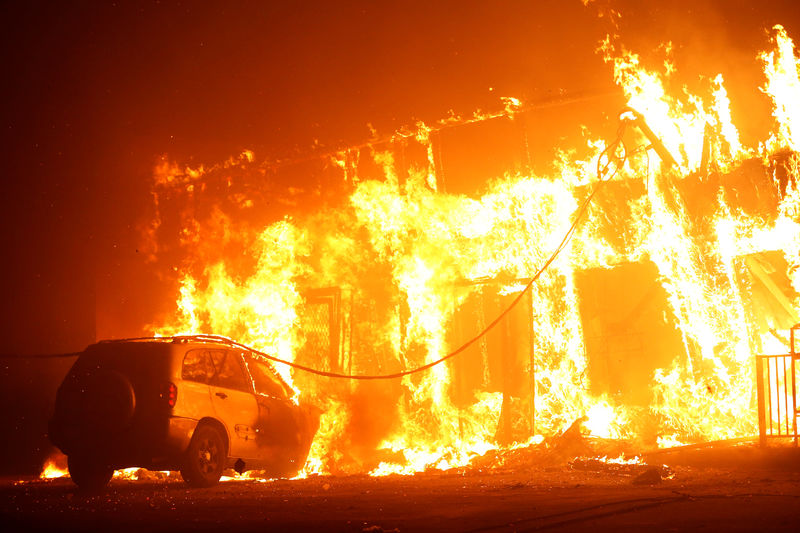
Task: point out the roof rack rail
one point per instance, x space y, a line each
203 337
200 337
132 339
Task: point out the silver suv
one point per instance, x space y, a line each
198 404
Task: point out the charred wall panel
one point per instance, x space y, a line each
628 329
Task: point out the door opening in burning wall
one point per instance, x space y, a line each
501 361
629 330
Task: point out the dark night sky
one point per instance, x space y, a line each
94 92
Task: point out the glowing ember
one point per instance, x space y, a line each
139 474
620 460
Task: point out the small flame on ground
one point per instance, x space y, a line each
141 474
54 467
619 460
669 441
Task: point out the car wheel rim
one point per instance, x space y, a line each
208 456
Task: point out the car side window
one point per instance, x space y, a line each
229 371
263 378
197 366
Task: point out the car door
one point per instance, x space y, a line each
195 396
277 422
234 402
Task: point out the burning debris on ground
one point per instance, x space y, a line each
606 496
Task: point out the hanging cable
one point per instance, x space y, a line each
604 174
609 163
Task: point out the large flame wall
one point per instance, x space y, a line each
384 225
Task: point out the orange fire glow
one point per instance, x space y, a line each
414 257
54 467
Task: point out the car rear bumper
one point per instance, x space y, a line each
179 433
157 443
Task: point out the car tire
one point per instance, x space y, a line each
205 458
89 474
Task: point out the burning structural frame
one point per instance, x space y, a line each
691 223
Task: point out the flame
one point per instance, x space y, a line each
54 467
411 257
783 86
602 420
619 460
669 441
140 474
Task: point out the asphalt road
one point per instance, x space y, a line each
554 498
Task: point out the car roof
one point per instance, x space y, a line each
218 341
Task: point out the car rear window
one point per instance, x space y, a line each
229 371
197 366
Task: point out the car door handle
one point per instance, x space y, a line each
222 395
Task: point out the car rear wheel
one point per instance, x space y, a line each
205 458
89 474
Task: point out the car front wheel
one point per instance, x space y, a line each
205 458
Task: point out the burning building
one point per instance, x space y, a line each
380 258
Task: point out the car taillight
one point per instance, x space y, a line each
169 393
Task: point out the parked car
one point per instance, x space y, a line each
197 404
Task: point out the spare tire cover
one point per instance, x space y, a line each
108 400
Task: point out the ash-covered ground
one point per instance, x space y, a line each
721 488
